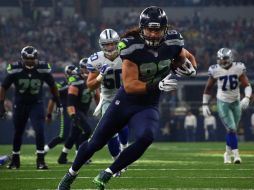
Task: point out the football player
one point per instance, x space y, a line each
105 69
146 52
64 123
228 75
28 76
78 102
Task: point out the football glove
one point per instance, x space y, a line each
206 110
244 103
188 69
75 120
168 84
2 109
104 69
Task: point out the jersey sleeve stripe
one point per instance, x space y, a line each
174 42
131 49
90 68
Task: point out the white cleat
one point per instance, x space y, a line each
227 158
237 160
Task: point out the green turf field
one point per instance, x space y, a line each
164 166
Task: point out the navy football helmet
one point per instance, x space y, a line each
153 19
225 57
82 67
70 70
29 56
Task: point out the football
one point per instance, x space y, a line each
177 63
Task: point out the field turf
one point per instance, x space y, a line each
165 166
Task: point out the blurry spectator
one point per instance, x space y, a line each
190 125
210 128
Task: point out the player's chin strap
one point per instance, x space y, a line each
188 69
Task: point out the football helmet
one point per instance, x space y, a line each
70 70
82 66
108 42
29 56
153 19
225 57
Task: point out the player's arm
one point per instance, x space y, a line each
208 90
93 81
185 53
130 79
246 84
72 99
97 96
3 88
50 108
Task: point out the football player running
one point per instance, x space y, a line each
105 69
28 76
146 52
79 98
228 75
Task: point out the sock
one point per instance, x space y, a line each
109 171
13 152
228 149
236 153
46 148
65 150
232 140
72 172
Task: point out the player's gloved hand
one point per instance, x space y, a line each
168 84
59 106
2 109
75 120
48 118
206 110
245 103
104 69
188 69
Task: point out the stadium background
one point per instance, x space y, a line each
64 31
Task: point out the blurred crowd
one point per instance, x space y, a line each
64 41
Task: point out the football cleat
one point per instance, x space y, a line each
101 179
237 160
15 162
41 165
117 174
227 158
63 159
65 183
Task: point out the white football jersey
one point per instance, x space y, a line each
113 79
227 81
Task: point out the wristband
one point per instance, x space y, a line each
99 78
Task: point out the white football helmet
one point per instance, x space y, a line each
108 42
225 57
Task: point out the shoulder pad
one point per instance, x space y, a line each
240 66
95 61
14 67
62 85
75 80
43 67
128 45
174 38
211 69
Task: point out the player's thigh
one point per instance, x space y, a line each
20 115
145 122
237 112
226 115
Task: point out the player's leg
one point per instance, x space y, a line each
113 143
236 109
74 133
63 124
37 118
145 124
123 137
20 117
111 122
227 118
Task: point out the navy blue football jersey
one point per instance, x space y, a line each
62 87
83 100
28 82
153 63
